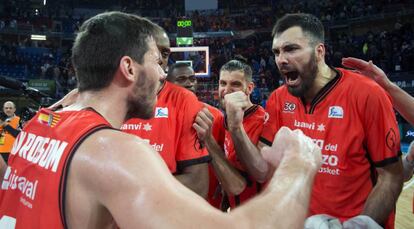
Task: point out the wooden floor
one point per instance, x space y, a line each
405 216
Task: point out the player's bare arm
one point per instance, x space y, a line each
402 101
129 184
385 193
230 179
246 151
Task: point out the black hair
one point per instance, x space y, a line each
308 22
101 43
170 76
239 63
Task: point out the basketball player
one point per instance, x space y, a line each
211 132
72 168
346 114
170 132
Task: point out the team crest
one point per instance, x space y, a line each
336 112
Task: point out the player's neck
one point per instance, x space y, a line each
324 75
110 105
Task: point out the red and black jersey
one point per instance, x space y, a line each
353 122
170 132
32 192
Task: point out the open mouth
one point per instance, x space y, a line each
292 78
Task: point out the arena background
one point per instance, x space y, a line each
36 36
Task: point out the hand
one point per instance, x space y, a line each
203 124
368 69
322 221
361 222
67 100
235 104
293 147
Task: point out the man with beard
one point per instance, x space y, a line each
71 168
347 115
211 132
170 132
235 76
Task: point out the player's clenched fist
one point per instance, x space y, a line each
235 103
295 149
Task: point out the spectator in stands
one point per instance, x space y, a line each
9 128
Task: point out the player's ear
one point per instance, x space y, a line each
250 87
129 68
320 52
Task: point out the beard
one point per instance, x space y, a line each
308 76
142 102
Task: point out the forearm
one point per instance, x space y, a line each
249 155
196 181
403 102
230 179
290 189
384 196
14 132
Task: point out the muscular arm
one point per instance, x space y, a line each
403 102
385 193
249 154
230 179
138 191
195 177
246 151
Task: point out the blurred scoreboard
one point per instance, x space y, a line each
184 32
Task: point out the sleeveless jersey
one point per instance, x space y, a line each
352 120
33 190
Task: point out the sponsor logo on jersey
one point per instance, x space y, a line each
336 112
161 112
289 107
155 146
13 181
305 125
409 133
45 152
310 126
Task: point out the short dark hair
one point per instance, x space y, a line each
238 64
308 22
101 43
171 68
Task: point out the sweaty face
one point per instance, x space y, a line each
144 96
296 60
184 76
9 108
231 82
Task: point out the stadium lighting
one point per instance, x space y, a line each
38 37
44 2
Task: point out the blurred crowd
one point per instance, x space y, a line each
391 49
